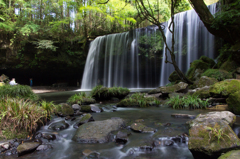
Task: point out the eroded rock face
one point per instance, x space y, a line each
203 140
97 131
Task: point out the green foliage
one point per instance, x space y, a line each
80 99
220 75
216 132
20 114
29 28
49 108
138 99
20 91
228 15
188 101
45 44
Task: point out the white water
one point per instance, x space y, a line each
116 59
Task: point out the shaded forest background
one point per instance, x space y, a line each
48 40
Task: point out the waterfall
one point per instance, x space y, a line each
136 59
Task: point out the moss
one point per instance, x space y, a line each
202 93
173 78
208 60
229 65
66 110
86 108
205 81
220 75
234 154
85 117
233 102
225 88
197 65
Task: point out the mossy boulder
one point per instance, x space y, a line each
84 119
224 88
197 67
202 92
139 127
229 65
181 87
218 74
234 154
208 60
65 110
86 108
27 147
233 102
204 138
174 77
205 81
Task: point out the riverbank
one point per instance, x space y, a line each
48 89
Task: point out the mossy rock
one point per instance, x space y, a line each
174 77
208 60
87 101
218 74
229 65
86 108
155 91
234 154
233 102
202 92
139 127
205 81
65 110
197 67
225 88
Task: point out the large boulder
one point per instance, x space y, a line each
84 119
225 88
233 102
229 65
174 77
208 60
210 135
205 81
97 131
181 87
202 92
218 74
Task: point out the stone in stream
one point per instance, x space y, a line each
234 154
44 147
61 125
84 119
139 127
122 137
97 131
27 147
203 141
176 115
89 154
65 110
76 107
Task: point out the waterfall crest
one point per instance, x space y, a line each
135 59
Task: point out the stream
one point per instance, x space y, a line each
156 117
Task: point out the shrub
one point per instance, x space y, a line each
19 115
49 108
138 99
188 101
81 98
20 91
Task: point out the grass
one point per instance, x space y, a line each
80 99
20 115
188 101
20 91
216 132
49 108
101 92
138 99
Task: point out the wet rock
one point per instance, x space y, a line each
68 117
96 109
167 124
139 127
168 142
97 131
61 125
234 154
27 147
78 113
176 115
65 110
84 119
202 134
202 92
76 107
49 136
122 137
219 108
146 148
86 109
44 147
8 153
6 145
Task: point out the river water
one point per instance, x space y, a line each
65 148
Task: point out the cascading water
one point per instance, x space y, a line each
136 59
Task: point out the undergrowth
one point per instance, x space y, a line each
80 98
189 101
